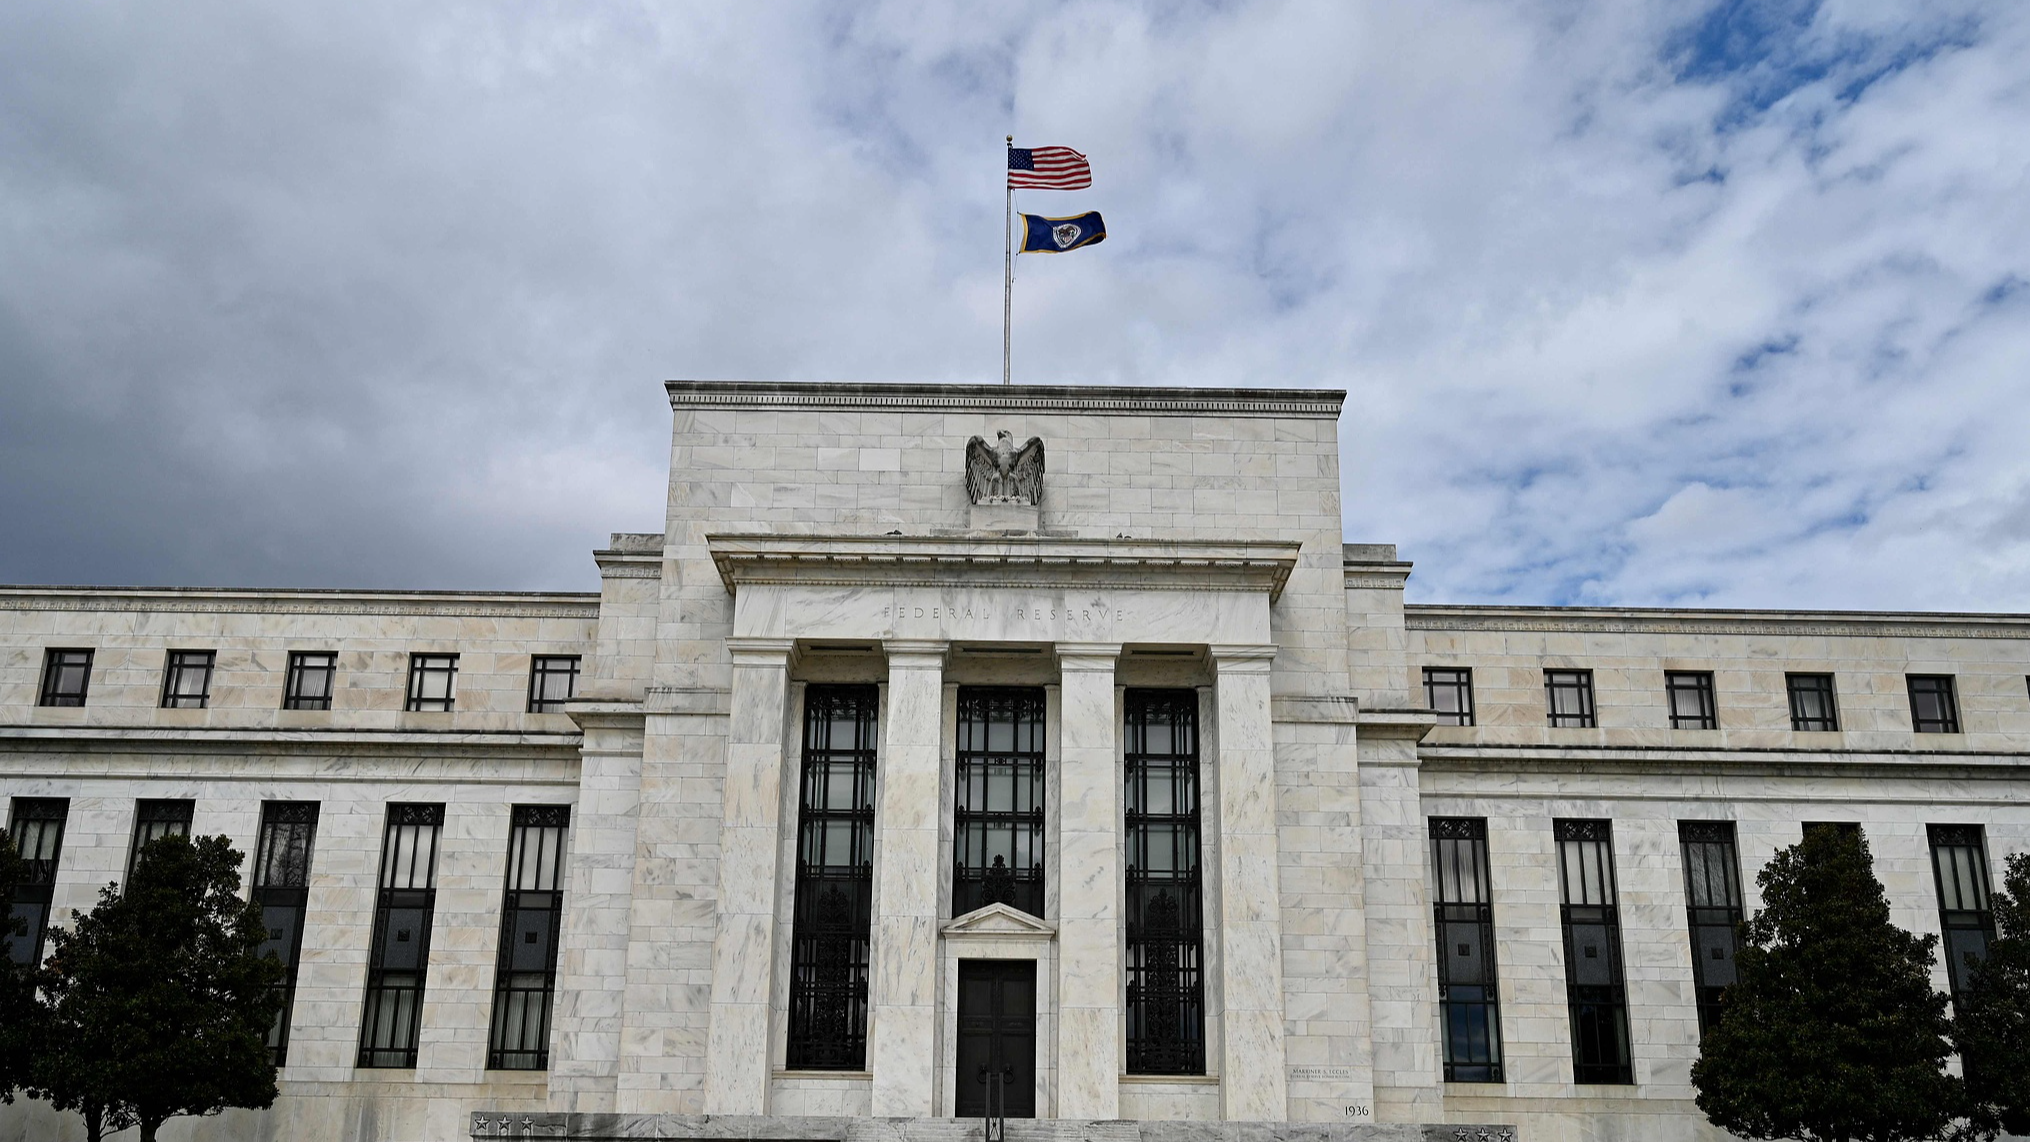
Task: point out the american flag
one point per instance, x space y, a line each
1048 168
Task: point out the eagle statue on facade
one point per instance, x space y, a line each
999 473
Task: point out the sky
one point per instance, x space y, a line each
1641 302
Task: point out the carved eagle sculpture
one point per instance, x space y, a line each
998 473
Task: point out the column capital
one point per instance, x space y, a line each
761 651
915 653
1241 657
1087 656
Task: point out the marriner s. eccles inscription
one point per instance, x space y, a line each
1000 473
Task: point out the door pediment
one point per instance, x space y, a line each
999 920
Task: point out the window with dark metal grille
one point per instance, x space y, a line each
998 821
830 928
281 886
1959 862
1813 708
1448 691
1844 828
553 681
1933 707
186 682
1713 910
36 828
399 956
1165 897
525 968
1569 697
65 676
310 677
1691 699
432 679
154 819
1469 1012
1595 987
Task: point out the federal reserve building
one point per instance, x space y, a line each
969 761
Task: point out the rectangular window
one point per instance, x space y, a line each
1691 698
399 956
1449 692
311 673
281 886
65 676
1713 909
998 820
830 930
1595 987
1933 708
1469 1014
154 819
1165 897
186 683
1569 694
553 681
1959 862
36 828
525 968
1812 706
432 681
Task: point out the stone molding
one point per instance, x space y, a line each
1003 561
1314 710
793 396
1090 657
1611 620
762 652
916 653
1653 761
489 1123
695 701
1241 658
999 921
304 601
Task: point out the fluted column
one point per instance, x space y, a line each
743 951
1089 863
903 1020
1253 1085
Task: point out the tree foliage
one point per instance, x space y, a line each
20 1015
1993 1029
1832 1032
160 1001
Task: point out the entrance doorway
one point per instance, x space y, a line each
997 1036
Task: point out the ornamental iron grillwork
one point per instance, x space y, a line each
1165 898
831 927
1463 915
37 833
525 967
1959 864
400 954
1713 911
999 812
1596 988
281 886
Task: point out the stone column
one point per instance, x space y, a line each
1089 889
1252 1081
743 952
903 1021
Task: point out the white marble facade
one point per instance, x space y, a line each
1186 538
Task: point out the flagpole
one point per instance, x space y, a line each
1007 271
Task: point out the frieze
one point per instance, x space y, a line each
1447 619
297 605
1289 403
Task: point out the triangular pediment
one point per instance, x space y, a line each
998 920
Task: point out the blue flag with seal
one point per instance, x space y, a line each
1056 235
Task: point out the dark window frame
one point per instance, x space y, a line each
542 668
1714 910
1595 994
57 663
1966 916
1697 685
1803 686
1945 690
302 665
831 927
391 1015
156 817
47 816
1469 994
177 668
423 667
280 884
981 768
1162 841
1576 682
1458 680
532 908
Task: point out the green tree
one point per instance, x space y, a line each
1993 1028
160 1000
1832 1032
20 1014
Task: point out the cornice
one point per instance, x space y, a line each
1634 620
803 396
247 600
1003 561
